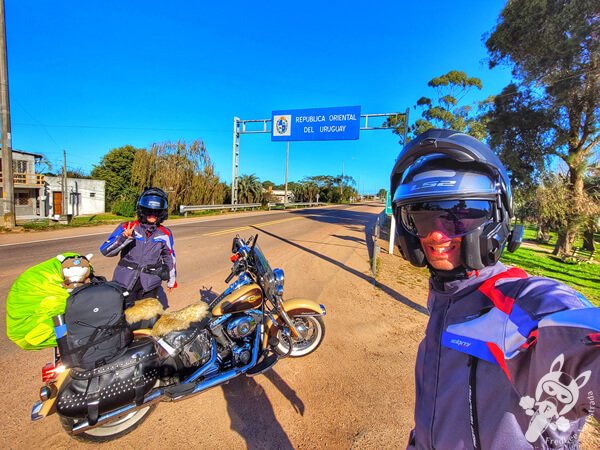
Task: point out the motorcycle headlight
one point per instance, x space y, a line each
278 281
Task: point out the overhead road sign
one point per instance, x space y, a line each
316 124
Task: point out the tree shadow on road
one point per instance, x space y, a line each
252 415
391 292
358 221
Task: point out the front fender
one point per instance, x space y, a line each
303 307
293 307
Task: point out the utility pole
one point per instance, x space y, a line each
65 203
8 196
342 184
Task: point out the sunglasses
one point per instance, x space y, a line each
453 218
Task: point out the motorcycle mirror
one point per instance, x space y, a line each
236 245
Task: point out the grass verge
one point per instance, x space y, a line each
584 277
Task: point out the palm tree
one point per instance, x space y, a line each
249 189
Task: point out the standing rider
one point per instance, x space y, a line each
508 360
146 249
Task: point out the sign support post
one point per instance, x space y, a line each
287 157
236 160
389 212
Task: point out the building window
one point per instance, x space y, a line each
92 194
21 199
19 166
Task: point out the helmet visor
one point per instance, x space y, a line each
148 212
152 201
453 218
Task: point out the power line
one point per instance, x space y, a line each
100 127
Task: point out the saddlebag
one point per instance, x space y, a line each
95 325
90 393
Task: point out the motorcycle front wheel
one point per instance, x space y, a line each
111 430
312 332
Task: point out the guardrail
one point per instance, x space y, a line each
184 209
294 205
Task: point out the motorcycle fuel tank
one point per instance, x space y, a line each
241 299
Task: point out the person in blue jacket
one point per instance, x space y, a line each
146 249
508 361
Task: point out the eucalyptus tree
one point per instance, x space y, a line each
553 48
446 109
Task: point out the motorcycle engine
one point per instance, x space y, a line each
242 326
191 347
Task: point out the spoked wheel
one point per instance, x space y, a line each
312 332
111 430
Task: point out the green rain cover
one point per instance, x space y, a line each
33 300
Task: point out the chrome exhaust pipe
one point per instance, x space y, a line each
222 378
205 367
154 397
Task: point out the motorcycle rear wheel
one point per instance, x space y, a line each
111 430
312 329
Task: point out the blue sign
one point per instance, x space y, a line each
316 124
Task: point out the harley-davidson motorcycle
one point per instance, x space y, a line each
244 331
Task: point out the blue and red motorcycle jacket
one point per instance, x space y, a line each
142 256
508 362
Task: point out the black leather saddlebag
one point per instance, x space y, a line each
89 393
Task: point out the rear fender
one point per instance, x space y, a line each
293 307
44 409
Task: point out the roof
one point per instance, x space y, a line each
36 155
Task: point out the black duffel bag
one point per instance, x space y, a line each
90 393
96 329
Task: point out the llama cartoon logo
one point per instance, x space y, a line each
556 394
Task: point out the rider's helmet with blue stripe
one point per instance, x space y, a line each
153 201
450 180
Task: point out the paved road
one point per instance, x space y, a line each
344 395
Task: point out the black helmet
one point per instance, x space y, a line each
153 201
462 181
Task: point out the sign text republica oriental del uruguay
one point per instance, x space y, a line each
316 124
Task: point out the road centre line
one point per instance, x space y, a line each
55 239
233 230
107 233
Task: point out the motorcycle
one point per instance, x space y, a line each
246 330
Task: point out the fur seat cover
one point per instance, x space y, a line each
180 320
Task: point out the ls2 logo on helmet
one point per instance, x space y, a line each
431 184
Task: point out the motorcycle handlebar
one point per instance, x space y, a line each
231 275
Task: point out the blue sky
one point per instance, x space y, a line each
89 76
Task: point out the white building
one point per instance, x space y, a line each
277 195
37 196
84 196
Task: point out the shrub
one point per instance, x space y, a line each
125 208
